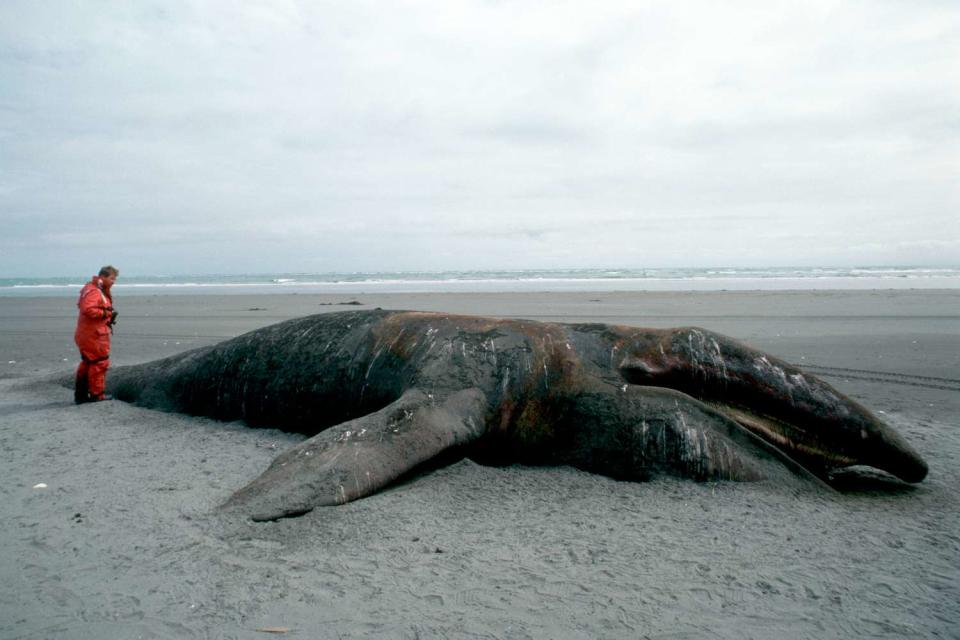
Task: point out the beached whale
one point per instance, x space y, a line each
381 392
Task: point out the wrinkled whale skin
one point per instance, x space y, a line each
381 392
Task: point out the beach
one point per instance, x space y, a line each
124 540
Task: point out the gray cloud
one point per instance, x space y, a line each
297 136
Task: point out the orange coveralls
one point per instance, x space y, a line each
93 337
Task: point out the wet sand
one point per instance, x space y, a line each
124 542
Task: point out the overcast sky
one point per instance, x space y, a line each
231 137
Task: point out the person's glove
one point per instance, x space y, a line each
113 318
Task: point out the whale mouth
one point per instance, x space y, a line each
890 453
829 453
867 480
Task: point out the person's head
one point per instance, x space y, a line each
108 275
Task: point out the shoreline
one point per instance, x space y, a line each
535 286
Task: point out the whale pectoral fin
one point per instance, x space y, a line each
356 458
639 432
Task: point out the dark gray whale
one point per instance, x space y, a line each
382 392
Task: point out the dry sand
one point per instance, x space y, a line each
123 542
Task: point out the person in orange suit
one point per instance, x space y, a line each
94 327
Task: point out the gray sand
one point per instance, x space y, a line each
124 541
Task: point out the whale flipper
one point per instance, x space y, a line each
359 457
637 432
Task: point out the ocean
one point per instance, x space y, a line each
716 279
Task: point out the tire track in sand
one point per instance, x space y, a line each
928 382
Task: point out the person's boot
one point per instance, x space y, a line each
81 392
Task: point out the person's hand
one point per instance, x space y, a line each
113 318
